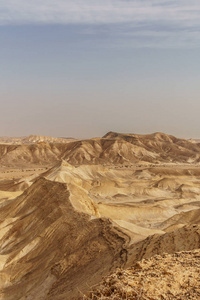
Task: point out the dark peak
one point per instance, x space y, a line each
110 134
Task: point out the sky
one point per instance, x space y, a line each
82 68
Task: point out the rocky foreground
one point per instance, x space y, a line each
166 276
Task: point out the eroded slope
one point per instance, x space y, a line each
113 148
49 250
105 202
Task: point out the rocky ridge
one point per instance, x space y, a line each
49 250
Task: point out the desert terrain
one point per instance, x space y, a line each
120 207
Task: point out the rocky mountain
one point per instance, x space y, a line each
113 148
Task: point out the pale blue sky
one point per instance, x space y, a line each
82 68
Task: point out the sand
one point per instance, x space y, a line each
72 212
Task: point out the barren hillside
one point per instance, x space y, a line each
39 154
113 148
49 250
72 212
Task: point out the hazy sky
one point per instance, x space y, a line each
84 67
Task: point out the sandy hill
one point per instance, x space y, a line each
11 140
113 148
195 140
166 146
31 139
42 153
182 239
49 250
143 201
129 149
179 220
161 277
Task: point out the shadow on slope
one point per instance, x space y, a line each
182 239
49 250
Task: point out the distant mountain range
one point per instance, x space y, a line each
112 148
32 139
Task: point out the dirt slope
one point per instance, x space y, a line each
161 277
48 250
182 239
23 156
189 217
139 200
